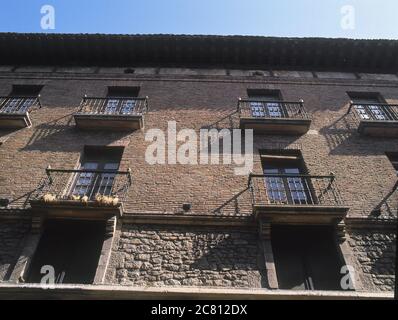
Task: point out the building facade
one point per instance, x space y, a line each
95 194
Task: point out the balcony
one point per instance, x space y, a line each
274 117
296 198
82 193
116 114
376 119
14 111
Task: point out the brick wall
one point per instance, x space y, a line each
362 169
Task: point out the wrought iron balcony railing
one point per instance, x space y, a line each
114 106
18 105
294 190
374 111
260 109
100 187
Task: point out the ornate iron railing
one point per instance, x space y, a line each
250 108
18 104
114 106
108 187
374 111
294 189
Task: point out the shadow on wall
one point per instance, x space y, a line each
340 134
23 200
383 257
230 121
11 240
62 135
343 139
388 206
5 134
233 205
50 136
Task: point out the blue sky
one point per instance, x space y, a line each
292 18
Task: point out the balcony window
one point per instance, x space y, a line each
119 106
17 105
128 106
285 180
306 257
265 103
284 185
111 106
121 100
121 109
97 182
96 172
285 190
14 109
266 109
266 112
90 183
376 112
374 115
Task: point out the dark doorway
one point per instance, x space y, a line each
306 257
72 247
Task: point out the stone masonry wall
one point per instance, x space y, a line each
375 252
11 236
187 256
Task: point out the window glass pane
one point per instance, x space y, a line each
99 159
275 189
25 105
107 179
367 106
369 112
111 106
289 187
263 105
111 166
257 109
378 112
271 171
274 110
85 180
291 170
296 186
362 112
12 105
128 106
